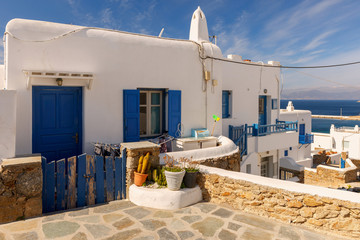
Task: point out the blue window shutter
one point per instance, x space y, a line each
286 153
174 111
225 104
131 115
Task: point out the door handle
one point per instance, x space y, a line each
76 138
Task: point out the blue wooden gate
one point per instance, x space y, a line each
83 181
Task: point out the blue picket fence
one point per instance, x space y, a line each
83 181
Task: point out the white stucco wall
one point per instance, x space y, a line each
322 140
2 77
353 139
118 61
298 152
7 123
247 83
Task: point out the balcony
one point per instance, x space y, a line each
266 137
306 139
279 127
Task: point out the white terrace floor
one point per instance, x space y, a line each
123 220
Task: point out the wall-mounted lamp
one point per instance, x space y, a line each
265 90
59 81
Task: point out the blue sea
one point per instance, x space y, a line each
327 107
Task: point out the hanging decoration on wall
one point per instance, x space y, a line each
216 119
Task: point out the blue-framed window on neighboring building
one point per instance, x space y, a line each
286 153
226 104
274 102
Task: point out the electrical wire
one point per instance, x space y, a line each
281 66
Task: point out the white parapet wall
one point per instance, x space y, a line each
7 123
226 148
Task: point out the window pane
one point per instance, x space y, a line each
142 98
155 98
142 120
155 120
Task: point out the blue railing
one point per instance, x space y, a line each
262 130
306 139
239 136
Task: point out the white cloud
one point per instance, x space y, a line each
319 40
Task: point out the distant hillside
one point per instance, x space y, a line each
322 93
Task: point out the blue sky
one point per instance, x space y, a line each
298 33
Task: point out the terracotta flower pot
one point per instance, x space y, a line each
139 178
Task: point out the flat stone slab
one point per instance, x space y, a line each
208 226
164 198
59 229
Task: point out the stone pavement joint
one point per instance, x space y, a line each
122 220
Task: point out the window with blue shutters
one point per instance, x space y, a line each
286 153
226 101
145 114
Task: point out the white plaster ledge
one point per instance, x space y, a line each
164 198
226 148
285 185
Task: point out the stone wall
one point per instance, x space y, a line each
133 153
20 189
339 216
333 177
230 162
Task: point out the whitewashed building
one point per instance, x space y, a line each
76 85
341 139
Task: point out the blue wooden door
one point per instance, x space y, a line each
57 122
302 129
262 110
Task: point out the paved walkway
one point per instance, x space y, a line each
123 220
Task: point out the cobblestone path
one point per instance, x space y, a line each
123 220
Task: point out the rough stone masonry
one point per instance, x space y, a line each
20 189
329 214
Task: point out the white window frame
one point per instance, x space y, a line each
148 106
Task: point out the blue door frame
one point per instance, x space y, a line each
262 110
57 122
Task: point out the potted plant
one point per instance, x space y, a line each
143 167
191 170
174 174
